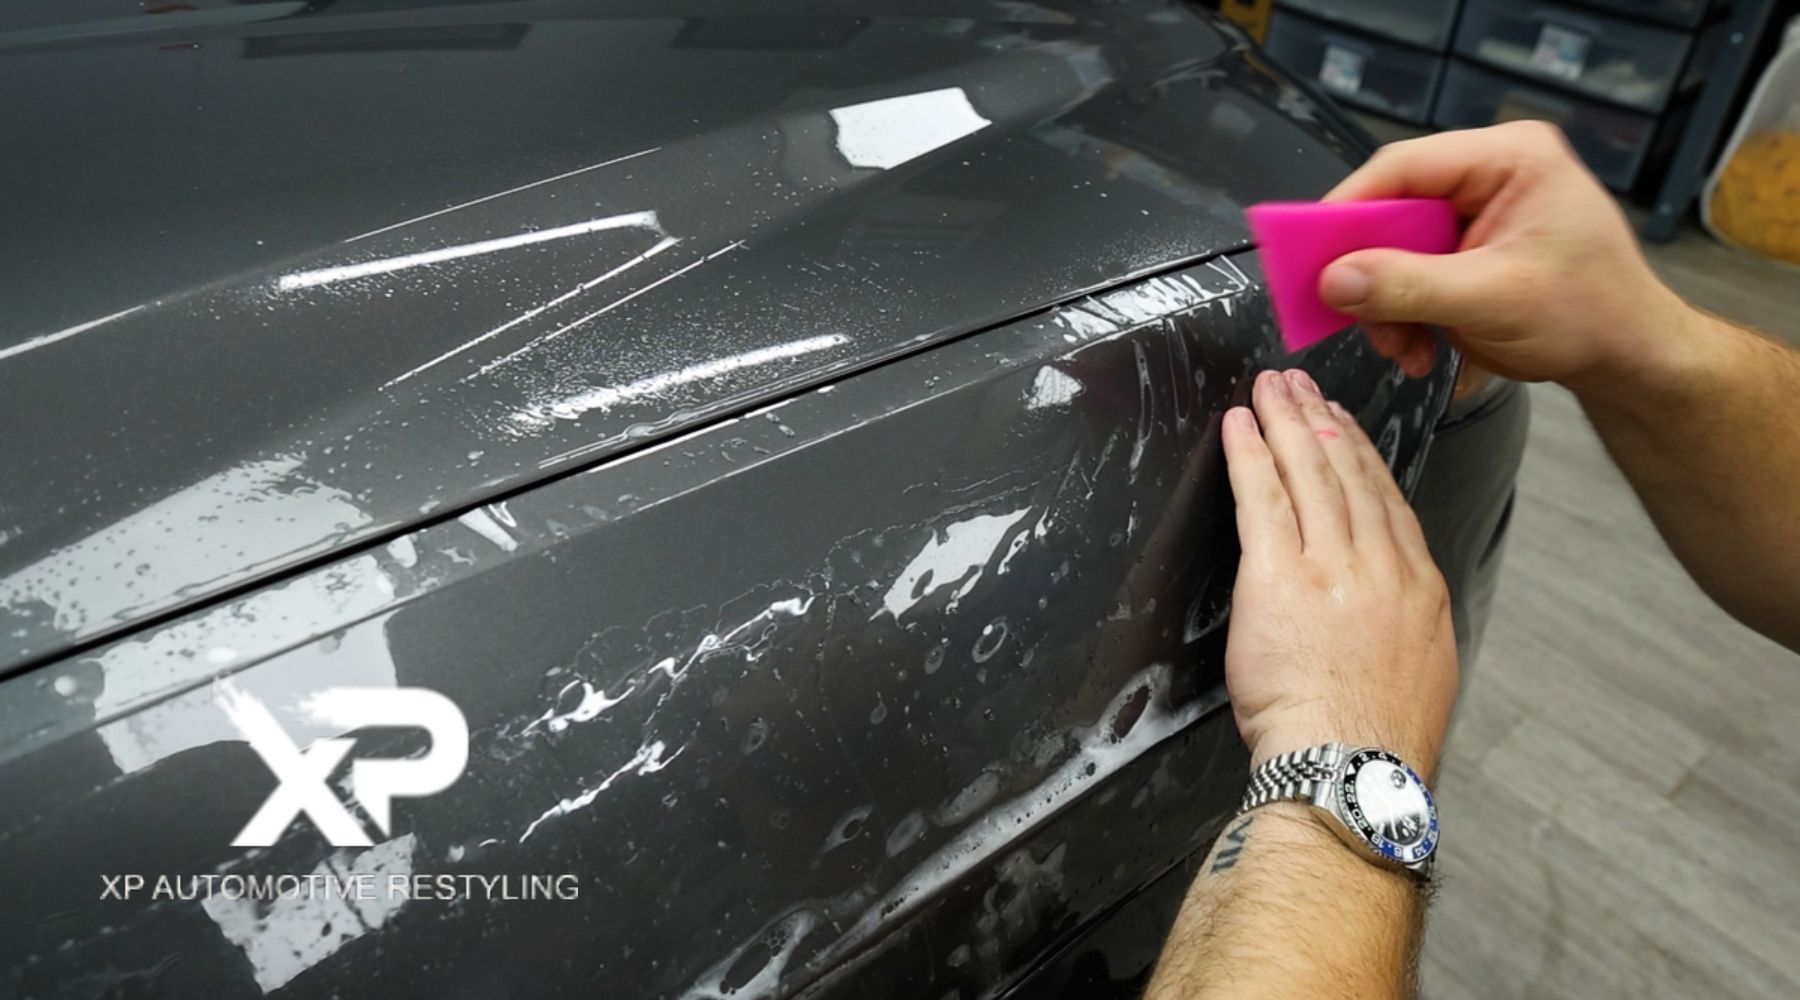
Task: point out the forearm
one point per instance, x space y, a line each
1282 908
1708 433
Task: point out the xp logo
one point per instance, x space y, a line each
301 775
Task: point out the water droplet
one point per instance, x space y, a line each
757 734
935 658
992 636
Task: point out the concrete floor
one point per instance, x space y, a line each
1621 792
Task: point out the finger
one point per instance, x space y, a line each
1388 339
1467 167
1420 354
1467 288
1403 523
1312 484
1409 346
1265 516
1367 509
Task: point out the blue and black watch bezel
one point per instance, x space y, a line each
1405 854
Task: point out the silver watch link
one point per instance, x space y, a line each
1368 796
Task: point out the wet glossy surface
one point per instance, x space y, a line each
303 276
894 733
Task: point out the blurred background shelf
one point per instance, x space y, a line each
1366 70
1428 24
1645 89
1615 142
1630 63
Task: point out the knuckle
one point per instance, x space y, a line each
1543 130
1316 412
1313 577
1385 154
1330 488
1548 144
1555 139
1534 134
1365 485
1430 585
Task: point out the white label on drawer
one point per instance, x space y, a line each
1342 70
1560 52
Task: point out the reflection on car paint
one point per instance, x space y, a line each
46 339
285 937
885 133
364 377
955 556
538 342
299 280
587 286
115 572
501 194
608 397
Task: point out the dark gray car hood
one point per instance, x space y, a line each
279 279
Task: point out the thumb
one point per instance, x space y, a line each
1397 286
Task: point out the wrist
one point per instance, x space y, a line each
1297 834
1653 359
1410 743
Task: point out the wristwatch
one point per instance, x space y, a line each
1375 803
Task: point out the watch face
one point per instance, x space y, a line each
1389 805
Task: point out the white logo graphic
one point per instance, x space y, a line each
301 774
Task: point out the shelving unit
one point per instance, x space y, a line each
1633 83
1619 86
1386 57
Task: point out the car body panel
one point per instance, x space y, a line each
306 277
796 729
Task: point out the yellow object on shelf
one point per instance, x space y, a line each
1752 200
1251 15
1756 202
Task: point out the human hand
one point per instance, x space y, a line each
1340 621
1548 284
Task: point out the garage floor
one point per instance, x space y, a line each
1621 792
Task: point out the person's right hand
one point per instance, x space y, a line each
1548 283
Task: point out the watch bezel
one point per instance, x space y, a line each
1352 816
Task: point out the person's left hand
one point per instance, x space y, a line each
1340 621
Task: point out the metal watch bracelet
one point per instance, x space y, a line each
1292 776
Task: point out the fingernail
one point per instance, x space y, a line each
1344 285
1242 416
1303 382
1338 411
1273 382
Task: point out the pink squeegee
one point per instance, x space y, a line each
1298 238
